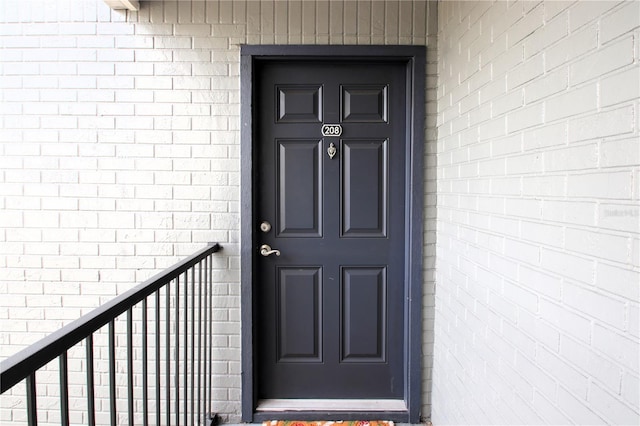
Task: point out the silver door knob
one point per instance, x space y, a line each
266 250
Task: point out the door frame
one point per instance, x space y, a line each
414 59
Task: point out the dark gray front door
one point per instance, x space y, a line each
330 308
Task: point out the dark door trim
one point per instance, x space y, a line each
414 57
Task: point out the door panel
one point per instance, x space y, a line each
364 186
299 104
299 170
330 312
364 103
363 320
299 314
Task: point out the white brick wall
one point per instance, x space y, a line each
538 268
119 150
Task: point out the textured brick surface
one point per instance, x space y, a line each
537 265
119 153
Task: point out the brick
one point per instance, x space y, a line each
522 251
504 308
119 82
116 220
573 212
565 373
525 72
492 129
611 406
573 102
583 13
133 177
156 110
609 123
565 319
540 283
522 207
631 390
583 357
545 86
550 135
619 217
623 152
535 375
510 15
520 296
539 329
82 219
153 82
602 307
549 411
620 348
548 185
574 158
525 117
524 343
507 61
620 87
506 186
202 30
602 61
613 185
11 219
525 411
597 244
552 30
633 320
577 44
623 20
578 410
507 226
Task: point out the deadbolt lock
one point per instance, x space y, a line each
265 226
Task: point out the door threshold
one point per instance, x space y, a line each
368 405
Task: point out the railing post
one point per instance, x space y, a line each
145 367
130 365
193 341
91 410
177 351
186 346
157 360
210 337
168 350
200 411
32 412
205 398
64 390
112 373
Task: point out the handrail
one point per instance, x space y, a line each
20 365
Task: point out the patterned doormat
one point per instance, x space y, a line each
326 423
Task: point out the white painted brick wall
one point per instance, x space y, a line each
538 279
119 152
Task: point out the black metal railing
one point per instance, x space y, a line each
158 335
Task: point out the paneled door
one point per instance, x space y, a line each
332 154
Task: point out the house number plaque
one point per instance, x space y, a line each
331 130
